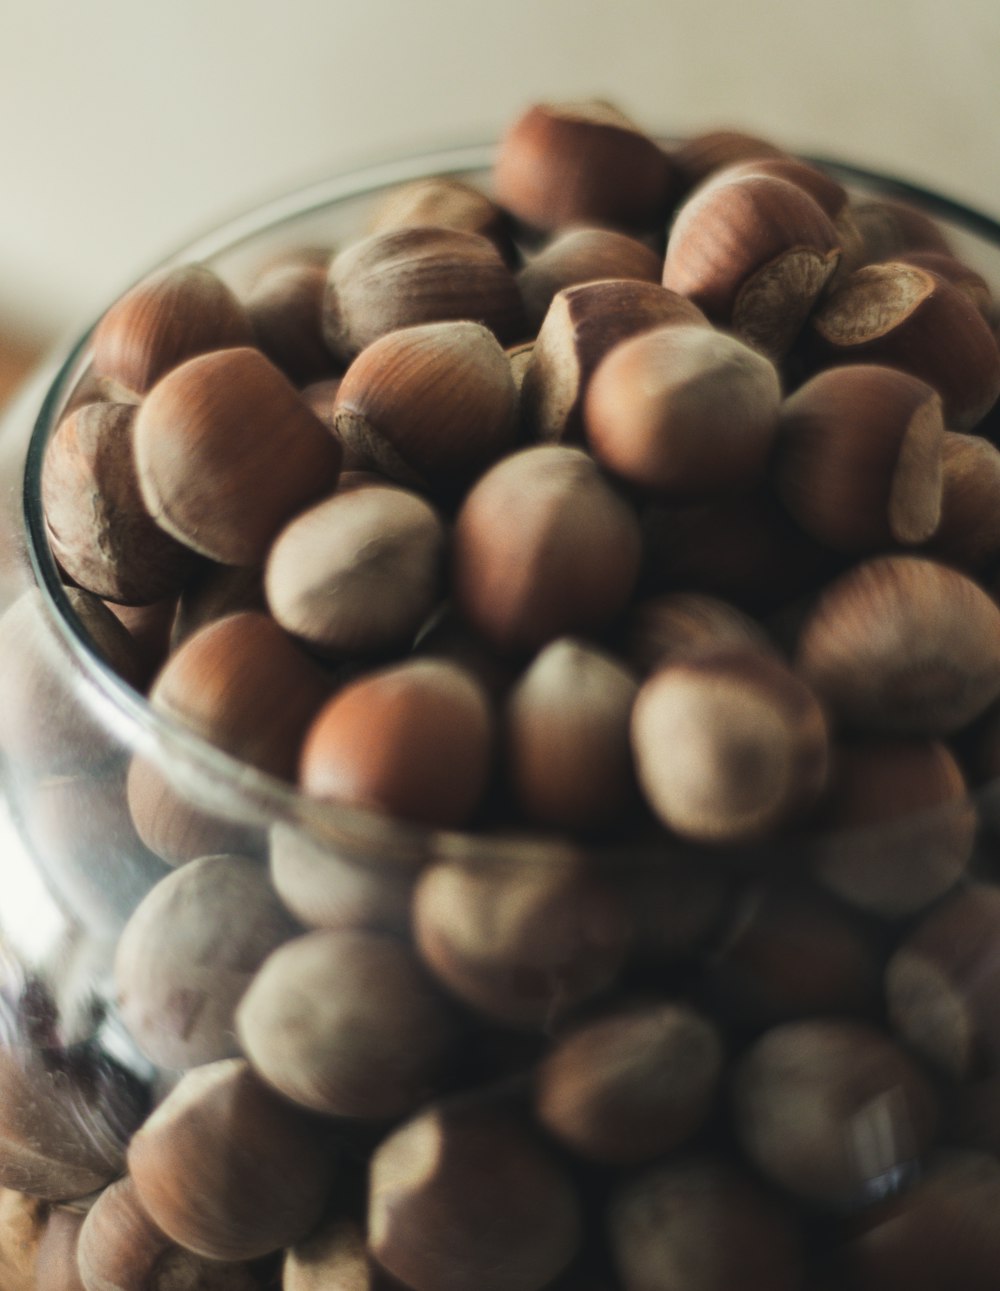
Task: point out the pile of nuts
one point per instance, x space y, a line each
644 518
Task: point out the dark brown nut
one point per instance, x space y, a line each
442 202
57 1268
897 828
630 1086
183 963
859 458
902 645
578 255
97 524
941 984
285 306
216 591
326 887
167 318
439 1221
746 550
683 413
244 686
728 747
755 254
524 940
962 275
583 324
889 227
789 952
832 1110
358 573
704 154
968 533
569 163
941 1232
228 1169
544 546
334 1258
412 276
909 318
430 406
414 740
701 1224
150 627
346 1023
227 452
121 1249
566 737
665 629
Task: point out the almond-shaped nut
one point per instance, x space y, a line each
98 526
903 645
285 305
430 406
912 319
439 1221
444 202
566 737
755 253
411 276
544 546
347 1023
583 254
182 964
684 413
729 746
227 1168
582 324
227 452
167 318
414 740
858 462
567 163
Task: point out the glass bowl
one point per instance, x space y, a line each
652 919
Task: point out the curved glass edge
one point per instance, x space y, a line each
242 791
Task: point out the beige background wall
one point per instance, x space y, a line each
128 125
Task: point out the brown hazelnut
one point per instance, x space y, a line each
683 413
902 645
182 964
346 1023
706 153
443 202
228 1169
439 1221
968 533
167 318
665 629
859 458
98 527
582 254
430 406
227 452
754 253
957 271
831 1110
544 546
889 226
284 305
632 1085
569 163
411 276
728 747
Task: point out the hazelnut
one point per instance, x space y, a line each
544 546
889 227
345 1023
962 275
582 254
902 645
704 154
665 629
228 1169
439 1221
754 253
832 1110
227 452
165 319
429 406
182 965
968 533
412 276
569 163
728 747
443 202
284 306
683 413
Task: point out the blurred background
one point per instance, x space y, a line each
127 128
